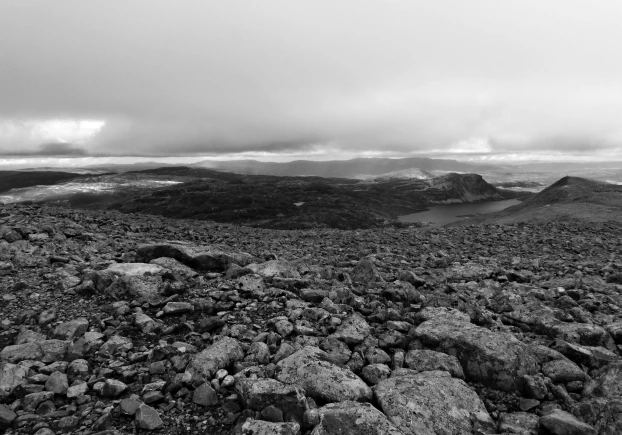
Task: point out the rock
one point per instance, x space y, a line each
57 383
7 416
146 288
219 355
374 373
77 390
492 358
21 352
205 395
560 422
353 330
563 371
581 333
312 369
71 330
432 402
353 418
258 353
274 268
256 394
113 388
146 324
78 369
115 344
366 272
54 350
203 258
175 266
608 383
129 406
520 423
428 360
337 350
178 308
259 427
468 272
11 375
134 269
28 336
148 418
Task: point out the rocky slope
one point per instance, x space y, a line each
118 323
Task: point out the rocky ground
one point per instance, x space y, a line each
115 323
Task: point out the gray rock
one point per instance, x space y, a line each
175 266
146 324
336 350
256 394
563 371
353 418
353 330
32 400
54 350
259 427
72 329
145 288
560 422
178 308
11 375
78 369
203 258
219 355
134 269
428 360
57 383
432 403
604 414
205 395
148 418
322 379
275 268
7 416
607 384
77 390
21 352
28 336
258 353
366 272
519 423
113 388
374 373
496 359
115 344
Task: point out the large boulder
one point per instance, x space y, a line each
204 258
353 418
496 359
322 379
219 355
428 360
432 403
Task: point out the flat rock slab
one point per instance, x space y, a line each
134 269
175 266
203 258
493 358
353 418
432 403
219 355
312 369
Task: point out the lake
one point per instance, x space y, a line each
444 214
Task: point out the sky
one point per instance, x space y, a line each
485 80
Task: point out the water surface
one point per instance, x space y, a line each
444 214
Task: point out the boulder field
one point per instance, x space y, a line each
113 323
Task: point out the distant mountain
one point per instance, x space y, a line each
405 174
354 168
570 198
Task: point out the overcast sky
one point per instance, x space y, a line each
477 79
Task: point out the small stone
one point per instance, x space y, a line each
57 383
272 413
205 395
129 406
228 381
113 388
77 390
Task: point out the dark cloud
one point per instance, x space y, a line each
210 77
51 150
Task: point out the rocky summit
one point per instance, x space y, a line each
117 323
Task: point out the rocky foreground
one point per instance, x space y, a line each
116 323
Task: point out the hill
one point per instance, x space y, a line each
354 168
27 178
286 202
405 174
570 198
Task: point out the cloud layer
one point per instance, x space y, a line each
207 77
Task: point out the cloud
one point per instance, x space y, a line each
346 77
50 150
